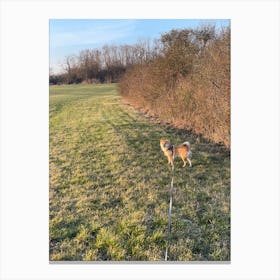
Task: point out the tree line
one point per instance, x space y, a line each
104 65
188 83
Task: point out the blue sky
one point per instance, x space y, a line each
70 36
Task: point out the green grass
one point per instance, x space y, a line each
109 184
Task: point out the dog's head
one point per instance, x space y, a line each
164 144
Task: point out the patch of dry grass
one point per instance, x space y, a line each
109 184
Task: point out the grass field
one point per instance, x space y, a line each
109 184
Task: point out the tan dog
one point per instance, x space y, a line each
171 151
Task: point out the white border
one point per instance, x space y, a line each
255 138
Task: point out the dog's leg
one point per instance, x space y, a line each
189 162
171 161
184 159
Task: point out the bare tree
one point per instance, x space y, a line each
70 66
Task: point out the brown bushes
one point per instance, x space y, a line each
188 84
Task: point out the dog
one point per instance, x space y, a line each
171 151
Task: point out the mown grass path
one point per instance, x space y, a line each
109 184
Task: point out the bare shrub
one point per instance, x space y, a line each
188 84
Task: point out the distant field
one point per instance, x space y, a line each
109 184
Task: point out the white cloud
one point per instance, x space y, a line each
98 34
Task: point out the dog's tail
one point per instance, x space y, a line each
189 153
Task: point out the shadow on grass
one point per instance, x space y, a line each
205 222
